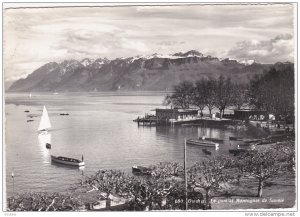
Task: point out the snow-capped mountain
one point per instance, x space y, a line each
153 72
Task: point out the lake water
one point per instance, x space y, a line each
100 128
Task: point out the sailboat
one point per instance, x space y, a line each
45 122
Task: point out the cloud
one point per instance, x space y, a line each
41 35
279 48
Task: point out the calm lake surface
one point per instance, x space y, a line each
100 128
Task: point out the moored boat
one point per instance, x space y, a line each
202 142
205 151
248 141
67 161
235 138
48 145
237 151
212 139
141 170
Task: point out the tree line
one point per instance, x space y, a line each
164 189
272 91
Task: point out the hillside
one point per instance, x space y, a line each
143 73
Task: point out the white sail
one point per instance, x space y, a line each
45 122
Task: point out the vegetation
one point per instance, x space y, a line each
43 201
209 175
182 96
272 91
260 165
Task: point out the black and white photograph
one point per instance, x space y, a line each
138 107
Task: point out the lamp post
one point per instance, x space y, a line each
185 176
12 176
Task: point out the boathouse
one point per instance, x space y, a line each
251 114
167 114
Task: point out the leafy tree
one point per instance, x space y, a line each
260 165
182 95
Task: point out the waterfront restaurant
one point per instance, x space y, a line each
175 114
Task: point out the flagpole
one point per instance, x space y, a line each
185 176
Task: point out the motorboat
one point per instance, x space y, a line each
67 161
202 142
141 170
212 139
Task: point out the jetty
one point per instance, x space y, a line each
146 120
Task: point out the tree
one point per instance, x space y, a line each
200 94
209 175
256 93
108 182
239 98
210 93
182 95
224 94
144 191
260 165
286 155
43 201
164 178
273 91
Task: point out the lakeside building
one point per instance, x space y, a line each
251 114
175 114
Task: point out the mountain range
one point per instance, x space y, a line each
141 73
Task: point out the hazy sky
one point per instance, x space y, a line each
35 36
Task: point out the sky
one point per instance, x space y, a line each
33 37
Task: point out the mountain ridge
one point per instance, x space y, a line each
143 73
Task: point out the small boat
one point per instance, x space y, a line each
235 138
201 142
237 151
212 139
45 122
67 161
205 151
141 170
64 114
30 120
26 111
48 145
247 141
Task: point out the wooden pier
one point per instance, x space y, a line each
147 120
